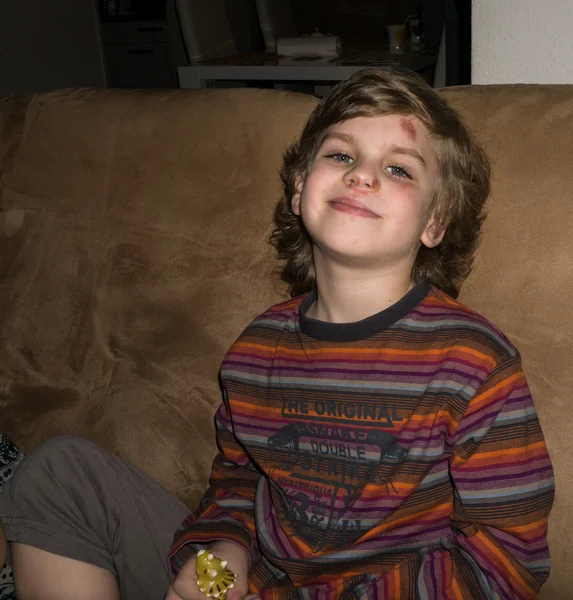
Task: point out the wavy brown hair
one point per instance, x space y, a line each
462 185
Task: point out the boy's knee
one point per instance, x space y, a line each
64 461
56 455
62 445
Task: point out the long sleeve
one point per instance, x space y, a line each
226 511
407 463
503 491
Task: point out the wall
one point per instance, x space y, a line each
48 45
522 41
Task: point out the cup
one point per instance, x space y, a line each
415 32
396 38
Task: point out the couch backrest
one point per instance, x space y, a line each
133 251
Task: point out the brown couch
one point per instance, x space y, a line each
133 250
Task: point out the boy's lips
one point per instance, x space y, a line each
352 206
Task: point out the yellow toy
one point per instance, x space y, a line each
213 579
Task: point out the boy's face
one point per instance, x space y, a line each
366 201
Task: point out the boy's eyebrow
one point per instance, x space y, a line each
335 135
409 152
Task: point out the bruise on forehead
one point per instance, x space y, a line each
408 128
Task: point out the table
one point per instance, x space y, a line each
267 66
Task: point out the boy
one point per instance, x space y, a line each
377 439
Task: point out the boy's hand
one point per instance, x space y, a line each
185 587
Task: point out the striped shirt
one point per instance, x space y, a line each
397 457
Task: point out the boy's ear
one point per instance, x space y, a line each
434 233
295 200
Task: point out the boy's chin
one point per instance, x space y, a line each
356 258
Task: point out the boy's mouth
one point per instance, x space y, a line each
353 207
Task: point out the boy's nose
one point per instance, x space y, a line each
362 177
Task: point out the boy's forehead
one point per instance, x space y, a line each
409 124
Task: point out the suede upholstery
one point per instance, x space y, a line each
133 250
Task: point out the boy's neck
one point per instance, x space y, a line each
352 296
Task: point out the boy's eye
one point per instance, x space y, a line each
399 172
340 157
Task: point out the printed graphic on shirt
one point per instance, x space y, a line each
325 453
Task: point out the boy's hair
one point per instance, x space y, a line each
462 185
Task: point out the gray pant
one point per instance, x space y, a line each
73 498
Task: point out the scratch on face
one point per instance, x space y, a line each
408 128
